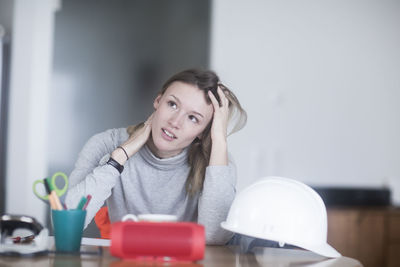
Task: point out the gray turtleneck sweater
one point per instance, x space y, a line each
150 185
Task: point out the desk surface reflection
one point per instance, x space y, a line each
214 256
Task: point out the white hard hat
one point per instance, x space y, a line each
282 210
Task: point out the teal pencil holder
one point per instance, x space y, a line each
68 229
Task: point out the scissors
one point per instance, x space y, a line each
53 185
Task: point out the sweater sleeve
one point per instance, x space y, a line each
91 175
215 200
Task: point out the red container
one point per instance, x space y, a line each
165 241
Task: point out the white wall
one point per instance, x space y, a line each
32 39
320 81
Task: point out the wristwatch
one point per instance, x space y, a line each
115 164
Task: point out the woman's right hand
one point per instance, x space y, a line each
134 143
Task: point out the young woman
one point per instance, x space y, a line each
174 163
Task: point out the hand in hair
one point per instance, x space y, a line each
219 154
134 143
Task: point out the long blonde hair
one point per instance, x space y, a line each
200 149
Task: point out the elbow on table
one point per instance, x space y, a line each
218 237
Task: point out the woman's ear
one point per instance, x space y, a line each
200 136
156 102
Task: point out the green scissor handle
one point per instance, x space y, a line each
44 197
53 186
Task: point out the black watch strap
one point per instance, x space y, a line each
115 164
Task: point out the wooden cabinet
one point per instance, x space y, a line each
393 239
370 235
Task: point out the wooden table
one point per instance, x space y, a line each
215 256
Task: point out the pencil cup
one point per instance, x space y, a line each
68 228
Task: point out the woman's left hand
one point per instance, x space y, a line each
219 125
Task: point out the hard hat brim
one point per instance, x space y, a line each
321 249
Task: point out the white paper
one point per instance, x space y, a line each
95 242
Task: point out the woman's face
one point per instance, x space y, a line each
181 114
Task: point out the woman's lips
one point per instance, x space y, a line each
167 135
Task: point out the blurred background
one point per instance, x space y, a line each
320 81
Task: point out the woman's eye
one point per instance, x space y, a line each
172 104
193 119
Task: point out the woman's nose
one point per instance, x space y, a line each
176 120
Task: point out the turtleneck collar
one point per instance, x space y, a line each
163 164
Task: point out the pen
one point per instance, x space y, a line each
81 203
89 197
53 193
25 240
48 191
